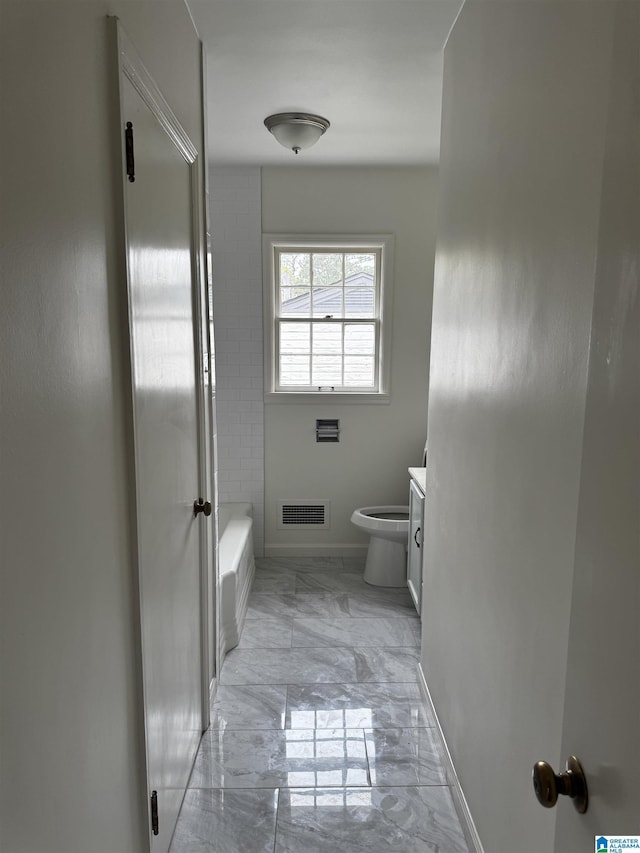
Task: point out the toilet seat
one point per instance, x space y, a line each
389 522
390 516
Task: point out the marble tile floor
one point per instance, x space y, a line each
319 739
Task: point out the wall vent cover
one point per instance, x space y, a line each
303 515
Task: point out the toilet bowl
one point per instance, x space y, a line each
388 527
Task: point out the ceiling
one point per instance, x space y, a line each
372 67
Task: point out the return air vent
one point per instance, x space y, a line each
303 515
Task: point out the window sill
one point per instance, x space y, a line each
314 397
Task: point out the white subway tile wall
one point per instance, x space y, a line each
236 229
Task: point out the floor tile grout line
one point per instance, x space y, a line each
279 788
321 648
323 683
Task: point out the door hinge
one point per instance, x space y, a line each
128 145
154 813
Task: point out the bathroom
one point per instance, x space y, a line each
267 449
533 394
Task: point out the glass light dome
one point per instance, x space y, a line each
296 130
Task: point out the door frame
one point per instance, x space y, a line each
130 66
211 618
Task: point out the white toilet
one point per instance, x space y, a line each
388 527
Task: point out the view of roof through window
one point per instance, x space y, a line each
356 300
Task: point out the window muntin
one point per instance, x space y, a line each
327 318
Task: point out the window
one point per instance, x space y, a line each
327 315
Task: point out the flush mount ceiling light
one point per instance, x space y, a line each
296 130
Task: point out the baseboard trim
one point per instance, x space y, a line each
459 800
315 550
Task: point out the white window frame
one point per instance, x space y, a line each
384 301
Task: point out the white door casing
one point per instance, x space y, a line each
162 235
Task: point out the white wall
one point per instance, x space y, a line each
378 442
237 295
525 107
72 767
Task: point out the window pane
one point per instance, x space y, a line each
295 301
362 266
327 269
359 301
359 370
360 338
328 323
327 370
327 339
295 338
294 369
327 301
295 269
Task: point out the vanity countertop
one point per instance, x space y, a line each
420 476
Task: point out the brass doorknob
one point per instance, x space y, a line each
202 506
571 782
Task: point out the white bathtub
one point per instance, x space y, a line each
237 569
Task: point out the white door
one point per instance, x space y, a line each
159 206
602 699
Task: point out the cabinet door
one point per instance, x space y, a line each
414 562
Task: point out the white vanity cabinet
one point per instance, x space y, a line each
416 526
